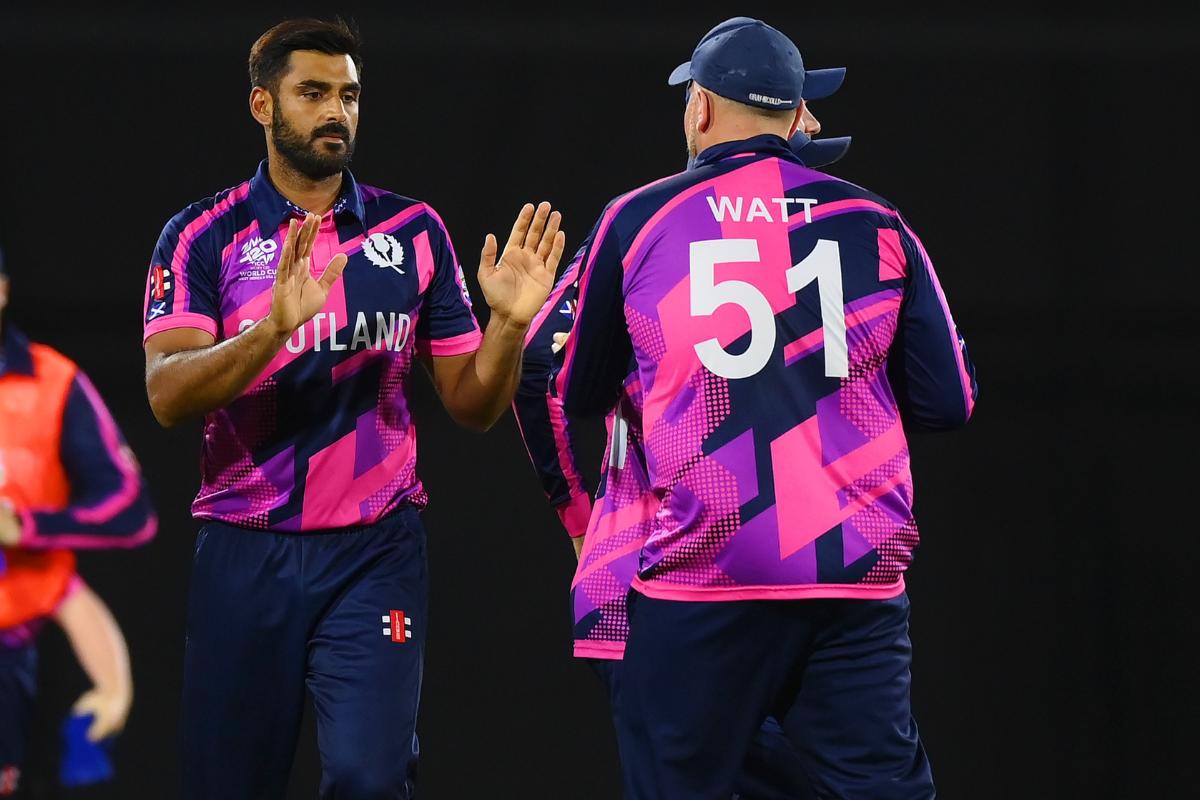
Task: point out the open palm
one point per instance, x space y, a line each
518 284
297 296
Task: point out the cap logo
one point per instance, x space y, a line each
773 101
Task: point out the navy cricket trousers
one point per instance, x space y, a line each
772 768
342 612
18 683
699 678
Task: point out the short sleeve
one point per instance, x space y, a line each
181 288
447 325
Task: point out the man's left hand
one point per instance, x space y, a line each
516 286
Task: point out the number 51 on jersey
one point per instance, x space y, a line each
823 264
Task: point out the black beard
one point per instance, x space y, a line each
314 160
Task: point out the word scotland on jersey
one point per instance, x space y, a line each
389 332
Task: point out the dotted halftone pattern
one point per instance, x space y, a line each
393 425
647 333
242 476
689 554
606 589
864 398
893 542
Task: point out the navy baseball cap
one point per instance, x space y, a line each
817 153
747 60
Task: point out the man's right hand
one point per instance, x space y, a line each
297 296
189 373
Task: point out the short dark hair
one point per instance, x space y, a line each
269 55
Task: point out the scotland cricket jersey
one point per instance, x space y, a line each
324 437
785 326
622 517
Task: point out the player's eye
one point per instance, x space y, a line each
350 98
311 95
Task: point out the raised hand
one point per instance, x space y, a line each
297 296
518 284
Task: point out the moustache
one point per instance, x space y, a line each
333 129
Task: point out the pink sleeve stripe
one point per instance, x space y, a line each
605 651
574 515
84 541
106 510
964 377
183 247
467 342
553 301
562 444
183 319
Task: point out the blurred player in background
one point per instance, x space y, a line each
786 328
67 481
618 525
288 312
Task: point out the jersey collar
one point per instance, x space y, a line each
271 208
767 144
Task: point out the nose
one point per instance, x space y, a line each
810 123
335 110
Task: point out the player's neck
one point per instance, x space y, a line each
315 196
734 133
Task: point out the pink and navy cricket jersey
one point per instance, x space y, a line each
786 327
618 524
324 438
623 518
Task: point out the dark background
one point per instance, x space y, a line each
1042 153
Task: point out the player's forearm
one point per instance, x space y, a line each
487 384
194 382
97 641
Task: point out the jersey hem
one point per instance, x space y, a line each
820 591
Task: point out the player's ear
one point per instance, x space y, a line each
262 106
704 110
797 120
